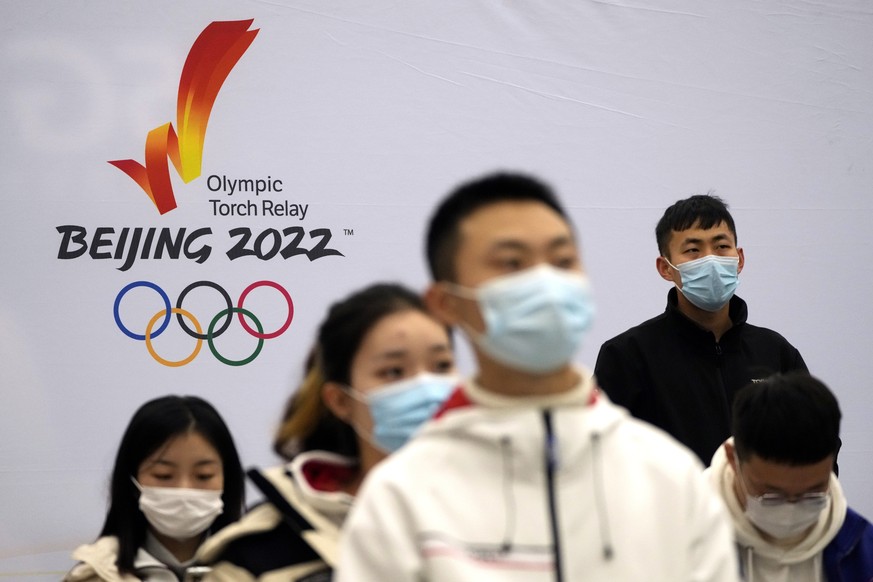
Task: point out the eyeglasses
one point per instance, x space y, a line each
814 499
811 499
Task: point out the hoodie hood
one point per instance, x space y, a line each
98 560
488 419
319 477
578 395
753 546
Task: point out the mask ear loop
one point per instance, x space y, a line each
674 267
471 294
362 398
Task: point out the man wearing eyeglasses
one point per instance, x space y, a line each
791 519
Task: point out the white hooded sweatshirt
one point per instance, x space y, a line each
484 491
765 561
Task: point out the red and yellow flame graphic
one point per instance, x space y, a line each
209 62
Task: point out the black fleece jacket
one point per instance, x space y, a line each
672 373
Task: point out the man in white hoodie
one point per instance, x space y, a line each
529 473
791 519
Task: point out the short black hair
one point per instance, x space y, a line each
443 229
704 210
791 419
153 425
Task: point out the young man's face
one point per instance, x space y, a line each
695 243
502 238
757 476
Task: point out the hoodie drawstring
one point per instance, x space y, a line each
750 555
551 468
509 498
599 496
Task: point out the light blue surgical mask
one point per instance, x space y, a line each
400 408
709 282
535 320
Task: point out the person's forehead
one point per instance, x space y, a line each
697 232
523 221
783 475
184 446
395 331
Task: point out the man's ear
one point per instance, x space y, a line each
664 269
441 303
338 400
742 260
731 453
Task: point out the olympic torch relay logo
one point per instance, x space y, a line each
209 62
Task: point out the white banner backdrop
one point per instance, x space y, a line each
351 119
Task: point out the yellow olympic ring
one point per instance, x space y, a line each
148 337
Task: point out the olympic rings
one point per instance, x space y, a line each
197 332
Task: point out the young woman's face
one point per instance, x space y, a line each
399 346
187 460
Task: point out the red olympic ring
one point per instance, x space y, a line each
284 293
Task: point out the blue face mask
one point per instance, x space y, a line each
709 282
535 319
400 408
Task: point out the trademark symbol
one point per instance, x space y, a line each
349 231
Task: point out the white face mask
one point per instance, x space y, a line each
535 319
177 512
786 520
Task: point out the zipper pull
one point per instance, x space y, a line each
196 573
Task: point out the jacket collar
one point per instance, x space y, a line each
737 310
579 395
849 535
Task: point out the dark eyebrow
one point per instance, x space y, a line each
392 355
509 244
698 240
512 244
173 465
402 353
561 241
819 486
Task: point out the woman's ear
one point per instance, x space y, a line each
338 400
